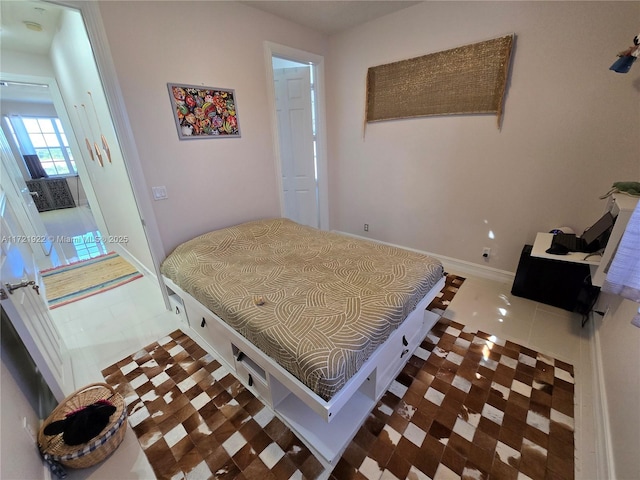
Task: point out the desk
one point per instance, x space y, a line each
543 242
571 281
621 206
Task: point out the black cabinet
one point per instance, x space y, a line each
51 194
561 284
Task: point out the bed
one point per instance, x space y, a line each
305 316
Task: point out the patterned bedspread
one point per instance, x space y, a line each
317 302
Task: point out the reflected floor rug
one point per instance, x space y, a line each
73 282
467 405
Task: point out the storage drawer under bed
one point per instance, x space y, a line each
210 329
400 346
177 306
252 375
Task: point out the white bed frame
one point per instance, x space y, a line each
326 427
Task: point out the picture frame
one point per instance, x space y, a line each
204 112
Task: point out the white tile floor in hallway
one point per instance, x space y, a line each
105 328
101 330
75 234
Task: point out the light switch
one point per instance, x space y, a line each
159 193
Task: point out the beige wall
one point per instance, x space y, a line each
441 184
620 350
211 183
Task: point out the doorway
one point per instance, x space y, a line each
35 130
90 108
297 89
295 109
99 116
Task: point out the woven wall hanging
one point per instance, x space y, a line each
463 80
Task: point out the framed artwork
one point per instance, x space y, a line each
204 112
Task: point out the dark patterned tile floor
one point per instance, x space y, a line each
466 405
469 405
193 419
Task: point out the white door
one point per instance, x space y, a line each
295 131
26 306
16 188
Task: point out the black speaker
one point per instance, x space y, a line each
552 282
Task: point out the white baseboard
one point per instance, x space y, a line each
123 252
461 267
604 452
452 265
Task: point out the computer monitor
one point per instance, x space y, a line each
598 229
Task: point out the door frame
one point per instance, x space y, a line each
99 42
317 62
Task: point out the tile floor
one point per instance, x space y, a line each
106 328
470 405
76 236
192 415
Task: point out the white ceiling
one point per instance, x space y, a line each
15 34
330 16
325 16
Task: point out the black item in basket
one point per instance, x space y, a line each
82 425
58 454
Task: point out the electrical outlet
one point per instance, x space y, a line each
159 193
486 253
366 227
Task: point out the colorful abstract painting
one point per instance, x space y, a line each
204 112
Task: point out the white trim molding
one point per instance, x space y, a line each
452 265
605 467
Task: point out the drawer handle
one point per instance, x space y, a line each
404 352
177 311
250 380
240 356
204 322
404 341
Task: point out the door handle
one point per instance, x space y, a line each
27 283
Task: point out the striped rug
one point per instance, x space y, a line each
73 282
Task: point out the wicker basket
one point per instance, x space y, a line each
98 448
